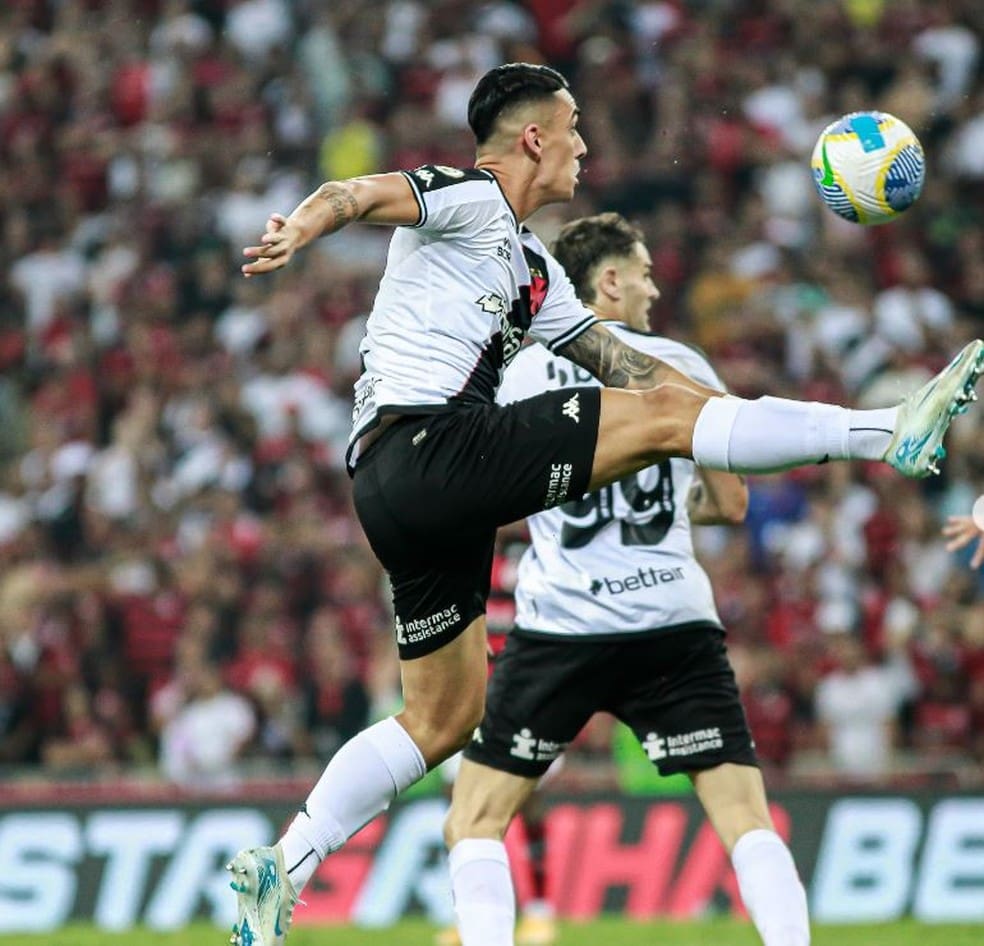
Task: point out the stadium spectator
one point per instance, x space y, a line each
152 124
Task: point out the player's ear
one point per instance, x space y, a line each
532 140
608 283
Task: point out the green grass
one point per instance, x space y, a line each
610 932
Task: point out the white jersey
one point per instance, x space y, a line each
621 560
459 294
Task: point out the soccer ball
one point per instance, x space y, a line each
868 167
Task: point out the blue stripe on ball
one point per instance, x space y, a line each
904 179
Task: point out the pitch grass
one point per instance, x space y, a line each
608 932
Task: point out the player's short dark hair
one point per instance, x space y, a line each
506 86
583 243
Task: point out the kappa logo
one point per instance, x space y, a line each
572 408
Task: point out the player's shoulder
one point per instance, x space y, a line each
650 341
435 177
682 355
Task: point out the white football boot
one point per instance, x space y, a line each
266 899
924 416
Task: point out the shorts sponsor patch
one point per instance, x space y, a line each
527 746
412 632
683 744
558 483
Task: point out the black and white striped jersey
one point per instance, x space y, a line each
460 292
620 560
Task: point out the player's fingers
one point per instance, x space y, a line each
265 251
276 221
958 542
262 266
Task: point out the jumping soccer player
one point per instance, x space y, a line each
437 465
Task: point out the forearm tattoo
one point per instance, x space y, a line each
342 202
614 363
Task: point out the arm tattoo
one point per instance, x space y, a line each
614 363
342 202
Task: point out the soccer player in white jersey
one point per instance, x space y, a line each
437 465
614 613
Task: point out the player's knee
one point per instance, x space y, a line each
671 411
440 736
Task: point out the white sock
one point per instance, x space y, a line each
870 432
360 781
772 434
484 901
771 889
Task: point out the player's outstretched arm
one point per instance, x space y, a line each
378 198
617 365
717 498
961 531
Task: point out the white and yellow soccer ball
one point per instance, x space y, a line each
868 167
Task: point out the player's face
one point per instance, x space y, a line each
563 148
638 290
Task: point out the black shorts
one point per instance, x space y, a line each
676 690
432 489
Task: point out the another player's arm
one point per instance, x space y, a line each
385 199
617 365
717 498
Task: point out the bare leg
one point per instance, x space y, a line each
482 806
444 693
767 435
734 798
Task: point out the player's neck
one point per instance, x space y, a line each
517 185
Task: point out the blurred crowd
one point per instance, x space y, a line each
182 581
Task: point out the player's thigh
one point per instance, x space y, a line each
444 693
680 698
733 796
639 428
541 693
484 802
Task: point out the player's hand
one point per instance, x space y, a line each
278 244
961 531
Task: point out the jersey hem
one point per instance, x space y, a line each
383 411
569 638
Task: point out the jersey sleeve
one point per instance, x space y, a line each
452 200
561 316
